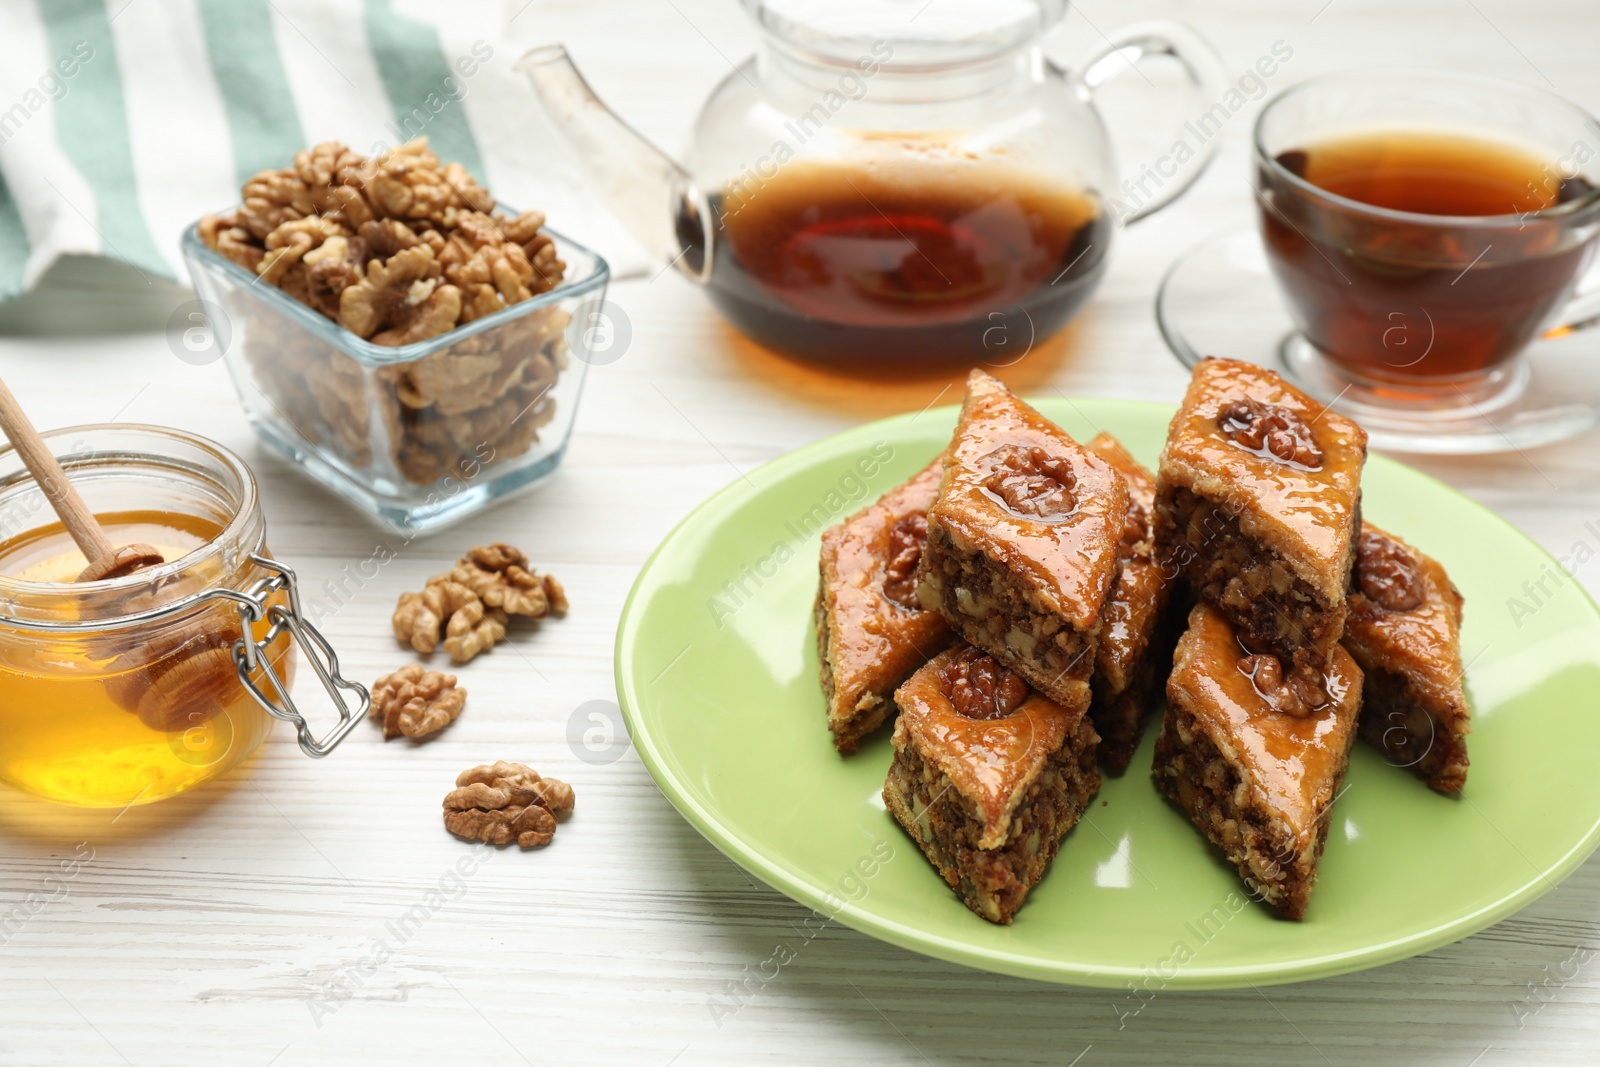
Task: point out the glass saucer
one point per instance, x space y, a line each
1220 299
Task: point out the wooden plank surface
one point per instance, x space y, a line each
242 924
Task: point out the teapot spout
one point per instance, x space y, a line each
646 189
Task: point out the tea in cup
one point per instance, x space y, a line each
1425 227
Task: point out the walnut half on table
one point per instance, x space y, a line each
449 611
502 802
415 702
468 607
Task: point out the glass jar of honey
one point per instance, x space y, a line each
139 688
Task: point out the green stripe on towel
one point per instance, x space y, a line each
13 245
262 119
424 88
92 129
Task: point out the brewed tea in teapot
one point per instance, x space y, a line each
887 182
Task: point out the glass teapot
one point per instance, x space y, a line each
887 182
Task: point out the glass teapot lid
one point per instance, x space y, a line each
921 33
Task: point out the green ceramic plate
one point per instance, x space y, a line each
717 673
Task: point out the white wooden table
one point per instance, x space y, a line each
243 924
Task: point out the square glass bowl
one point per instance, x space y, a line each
417 436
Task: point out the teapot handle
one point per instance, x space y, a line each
1125 47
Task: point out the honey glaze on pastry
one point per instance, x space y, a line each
1138 631
871 631
1258 783
1258 502
1306 513
987 777
1404 629
1023 541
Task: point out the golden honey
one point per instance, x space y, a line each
133 689
89 719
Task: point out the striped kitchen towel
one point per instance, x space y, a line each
122 121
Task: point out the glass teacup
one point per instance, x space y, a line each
1425 227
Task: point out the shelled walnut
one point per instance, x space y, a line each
448 611
415 702
398 249
980 688
503 578
1388 574
1030 483
503 802
468 608
1297 694
1270 431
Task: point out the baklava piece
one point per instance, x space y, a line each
871 631
1022 542
988 775
1136 641
1405 632
1254 758
1258 501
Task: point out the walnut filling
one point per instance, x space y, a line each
1252 585
947 825
1119 717
819 615
992 612
1397 722
1190 770
1135 530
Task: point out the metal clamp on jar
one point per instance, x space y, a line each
138 688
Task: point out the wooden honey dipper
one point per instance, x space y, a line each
105 559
